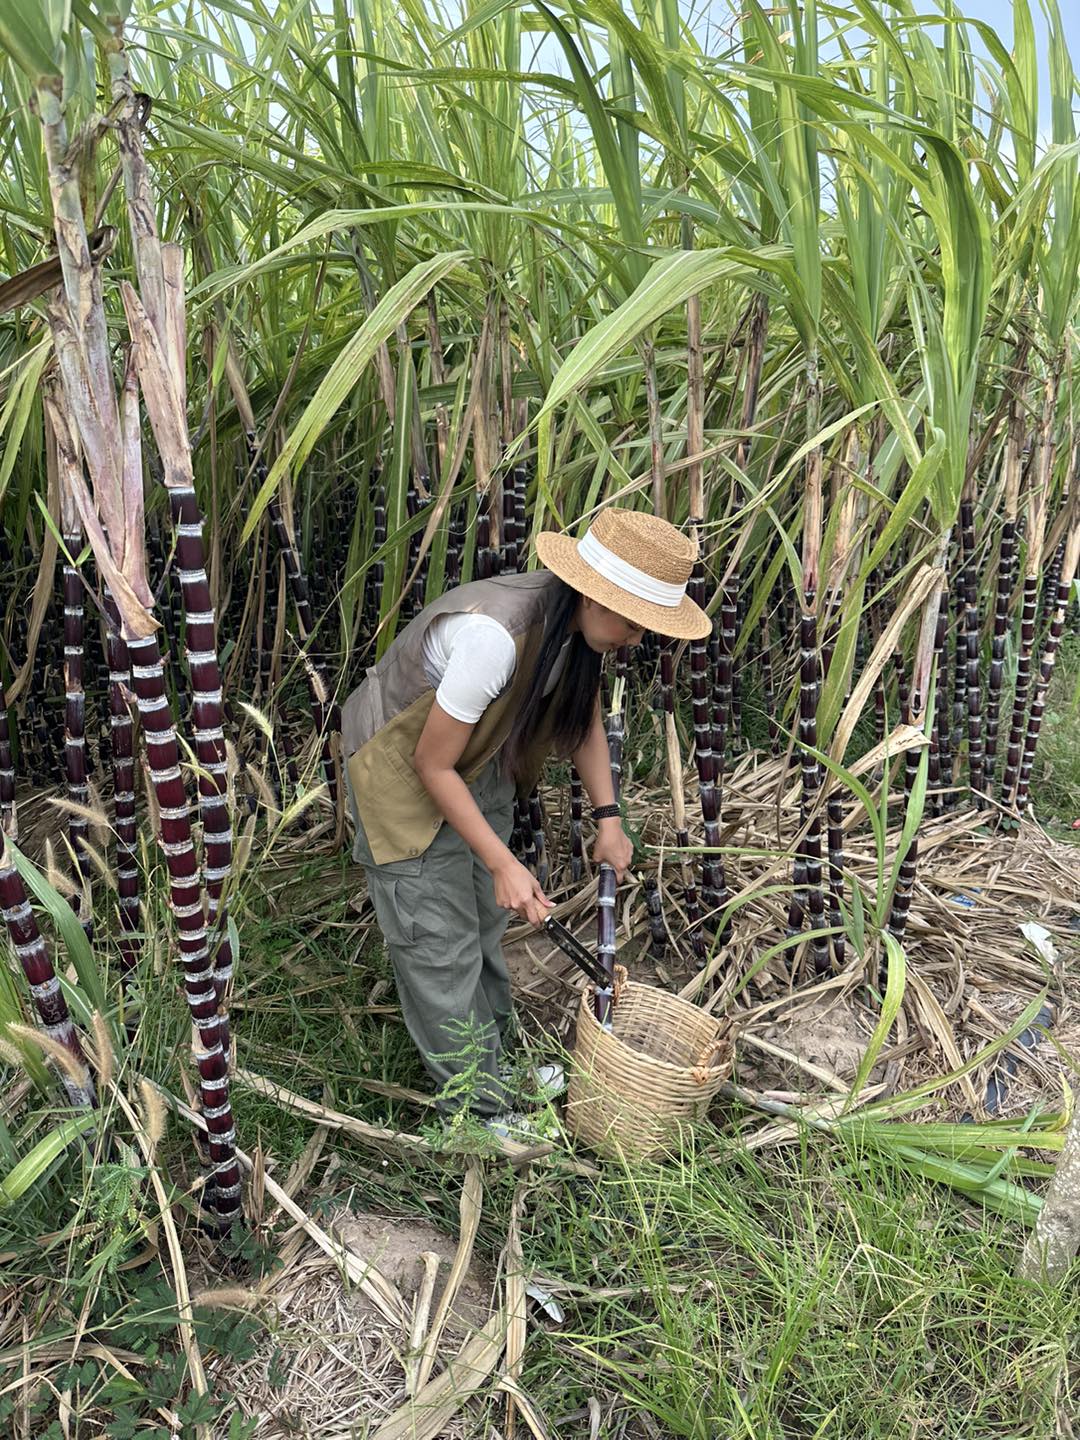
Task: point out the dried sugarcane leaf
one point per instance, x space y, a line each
472 1193
515 1310
525 1407
425 1415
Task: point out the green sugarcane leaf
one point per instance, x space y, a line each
34 1166
30 32
912 1099
18 408
341 378
890 1008
666 286
74 937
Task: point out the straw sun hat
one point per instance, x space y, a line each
634 563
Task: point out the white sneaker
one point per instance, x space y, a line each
524 1129
547 1081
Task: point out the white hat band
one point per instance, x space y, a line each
628 577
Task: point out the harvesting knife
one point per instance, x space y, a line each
572 946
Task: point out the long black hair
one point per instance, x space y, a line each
573 700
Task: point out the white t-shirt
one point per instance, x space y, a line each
470 659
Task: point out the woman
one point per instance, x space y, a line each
462 709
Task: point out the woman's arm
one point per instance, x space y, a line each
441 745
592 760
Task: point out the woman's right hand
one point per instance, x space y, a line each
518 889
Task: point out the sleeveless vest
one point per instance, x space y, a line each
382 719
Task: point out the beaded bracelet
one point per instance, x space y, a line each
606 812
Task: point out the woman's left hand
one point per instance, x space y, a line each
613 847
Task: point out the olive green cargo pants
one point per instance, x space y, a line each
443 930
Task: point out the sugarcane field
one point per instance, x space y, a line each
539 720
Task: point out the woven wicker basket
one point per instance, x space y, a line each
632 1087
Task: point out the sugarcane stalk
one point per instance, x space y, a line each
959 704
122 752
9 815
673 758
45 992
976 762
577 844
74 695
1069 559
1038 500
607 883
657 932
807 896
536 825
917 715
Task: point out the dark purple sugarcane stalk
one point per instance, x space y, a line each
1017 726
486 557
122 751
75 713
945 749
378 540
722 647
916 715
959 705
509 525
976 760
1050 585
207 717
657 932
1042 466
526 834
714 891
200 973
536 825
9 818
905 879
577 844
1069 557
735 587
455 547
607 883
807 896
45 992
768 683
205 948
1008 563
1006 566
521 519
935 773
678 806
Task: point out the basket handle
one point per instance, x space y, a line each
701 1072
